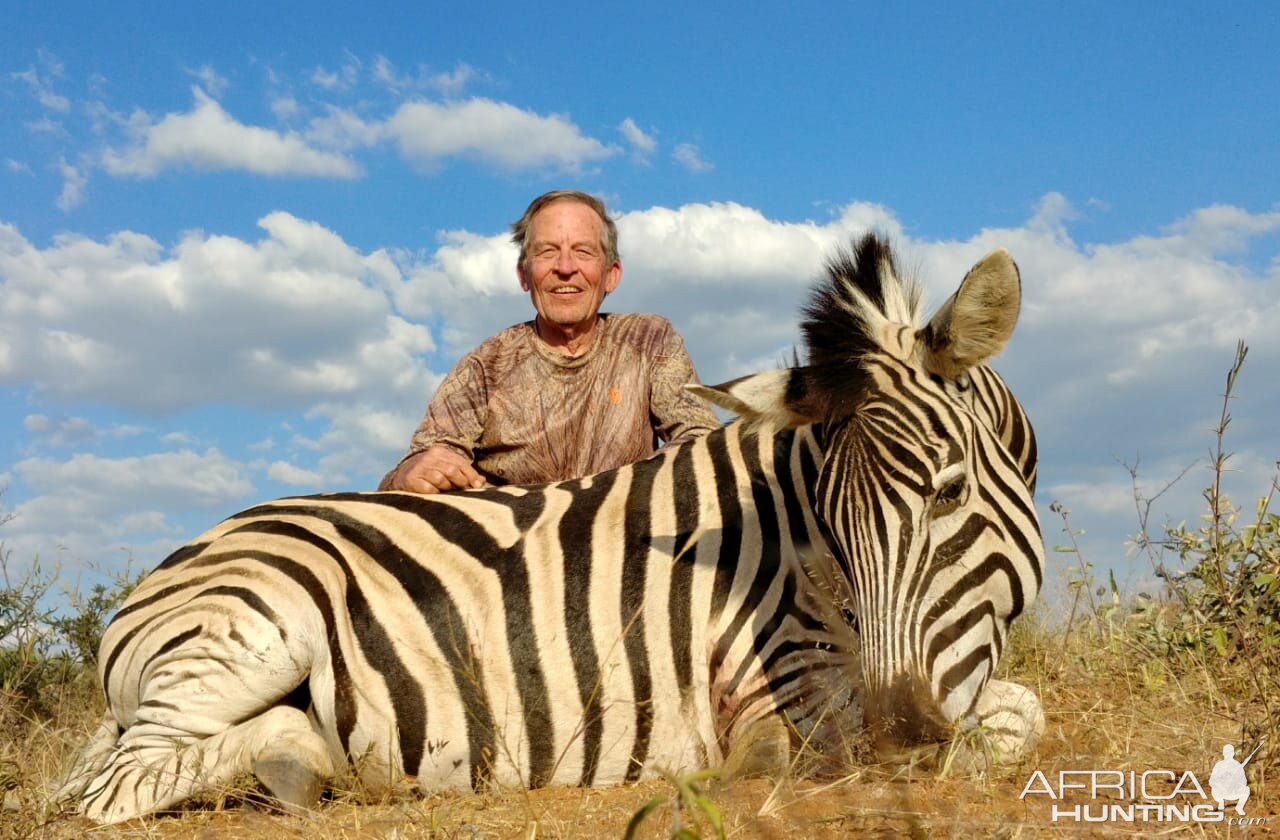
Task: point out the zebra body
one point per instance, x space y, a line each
839 560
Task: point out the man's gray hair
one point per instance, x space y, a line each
608 230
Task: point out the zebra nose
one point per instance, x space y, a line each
903 715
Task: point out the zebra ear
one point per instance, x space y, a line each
777 396
975 324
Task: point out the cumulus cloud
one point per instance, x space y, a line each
107 485
282 472
362 440
296 317
428 134
318 136
495 132
91 509
343 129
207 137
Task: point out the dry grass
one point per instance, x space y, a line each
1109 706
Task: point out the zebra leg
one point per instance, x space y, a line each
90 762
294 766
155 767
1005 725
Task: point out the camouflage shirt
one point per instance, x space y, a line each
525 414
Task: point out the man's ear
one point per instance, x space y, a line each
524 282
613 276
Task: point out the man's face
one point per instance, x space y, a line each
567 274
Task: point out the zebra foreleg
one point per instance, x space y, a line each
154 767
1004 726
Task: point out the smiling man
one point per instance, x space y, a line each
574 391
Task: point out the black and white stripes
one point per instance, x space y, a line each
859 543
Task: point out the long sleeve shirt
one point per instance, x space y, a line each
525 414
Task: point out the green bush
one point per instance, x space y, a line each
49 639
1230 589
1221 610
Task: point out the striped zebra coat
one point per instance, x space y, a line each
844 560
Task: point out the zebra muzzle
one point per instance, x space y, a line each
902 716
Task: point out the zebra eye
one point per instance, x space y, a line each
949 496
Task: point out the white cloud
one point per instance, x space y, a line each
89 508
286 473
74 181
17 166
449 83
690 157
45 126
286 108
1108 496
641 143
452 82
74 431
429 133
42 80
494 132
363 440
112 485
209 138
344 130
211 80
296 317
342 79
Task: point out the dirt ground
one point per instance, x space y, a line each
756 808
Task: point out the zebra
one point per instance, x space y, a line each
845 557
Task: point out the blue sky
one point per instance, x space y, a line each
240 244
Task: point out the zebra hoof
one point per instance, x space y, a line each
1011 719
295 786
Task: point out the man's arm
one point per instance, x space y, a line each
440 454
677 415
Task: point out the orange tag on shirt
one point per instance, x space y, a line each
615 396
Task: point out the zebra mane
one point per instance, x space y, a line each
844 320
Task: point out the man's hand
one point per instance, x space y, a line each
436 470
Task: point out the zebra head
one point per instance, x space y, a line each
926 487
